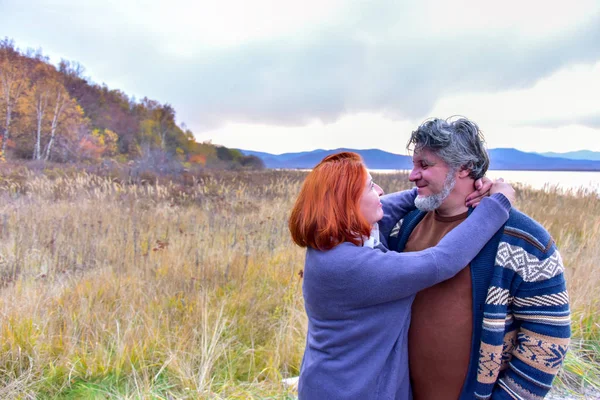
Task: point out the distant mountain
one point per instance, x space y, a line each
575 155
374 158
500 159
512 159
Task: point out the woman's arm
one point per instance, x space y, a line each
352 276
395 207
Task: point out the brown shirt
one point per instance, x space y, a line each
439 338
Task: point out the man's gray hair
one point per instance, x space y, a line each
458 142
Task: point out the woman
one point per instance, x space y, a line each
358 298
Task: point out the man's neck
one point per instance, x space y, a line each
452 211
455 202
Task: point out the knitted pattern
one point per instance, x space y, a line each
521 311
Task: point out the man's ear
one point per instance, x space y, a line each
464 173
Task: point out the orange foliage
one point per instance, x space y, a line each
10 144
197 159
90 149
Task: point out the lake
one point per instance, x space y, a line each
566 180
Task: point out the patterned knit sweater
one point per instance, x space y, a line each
521 317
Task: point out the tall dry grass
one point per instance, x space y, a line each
573 219
173 290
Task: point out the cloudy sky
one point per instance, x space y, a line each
283 76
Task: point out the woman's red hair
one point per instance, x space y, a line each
327 211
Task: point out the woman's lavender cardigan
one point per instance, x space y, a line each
358 302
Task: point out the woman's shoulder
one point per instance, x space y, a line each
337 251
342 255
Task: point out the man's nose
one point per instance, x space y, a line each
414 175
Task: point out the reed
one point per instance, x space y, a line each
165 289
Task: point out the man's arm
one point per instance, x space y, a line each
541 309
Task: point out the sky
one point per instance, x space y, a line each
285 76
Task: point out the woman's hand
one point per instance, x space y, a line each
485 187
482 189
500 186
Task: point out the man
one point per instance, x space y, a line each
500 328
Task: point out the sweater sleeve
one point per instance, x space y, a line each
359 276
541 309
395 207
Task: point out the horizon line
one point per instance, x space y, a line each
399 154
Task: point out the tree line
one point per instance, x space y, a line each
54 113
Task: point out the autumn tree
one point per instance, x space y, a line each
99 143
201 153
105 108
43 88
61 100
158 128
14 82
68 120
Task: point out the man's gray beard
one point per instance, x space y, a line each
432 202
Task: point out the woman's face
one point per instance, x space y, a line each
370 206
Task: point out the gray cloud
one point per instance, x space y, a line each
287 83
589 121
349 67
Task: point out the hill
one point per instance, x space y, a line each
54 113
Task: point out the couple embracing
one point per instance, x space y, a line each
441 292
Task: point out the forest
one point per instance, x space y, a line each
55 113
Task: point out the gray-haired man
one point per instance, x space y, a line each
500 328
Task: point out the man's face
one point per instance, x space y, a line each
434 179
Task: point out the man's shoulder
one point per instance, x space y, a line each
529 250
521 229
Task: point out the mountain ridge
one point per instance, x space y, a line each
575 155
500 159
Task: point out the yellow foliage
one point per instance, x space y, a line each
106 140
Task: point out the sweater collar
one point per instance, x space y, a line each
373 239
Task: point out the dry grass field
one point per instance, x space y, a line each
191 289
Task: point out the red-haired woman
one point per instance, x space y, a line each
357 297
